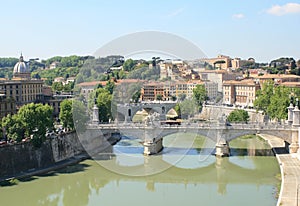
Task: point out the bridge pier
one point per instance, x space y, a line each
153 147
222 149
153 144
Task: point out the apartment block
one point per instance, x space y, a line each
240 93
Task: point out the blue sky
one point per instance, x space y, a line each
262 29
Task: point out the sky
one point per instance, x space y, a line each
262 29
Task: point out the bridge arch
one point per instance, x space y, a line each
160 107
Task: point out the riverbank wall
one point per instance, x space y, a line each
24 157
212 112
20 159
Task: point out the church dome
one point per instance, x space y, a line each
21 66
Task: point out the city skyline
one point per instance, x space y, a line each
263 30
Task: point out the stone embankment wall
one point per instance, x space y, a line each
210 112
22 158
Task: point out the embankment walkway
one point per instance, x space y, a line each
290 172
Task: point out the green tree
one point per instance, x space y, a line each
129 65
186 108
31 119
238 115
104 99
37 118
263 96
110 86
173 98
279 102
136 96
181 97
66 113
159 97
199 95
80 117
14 127
57 86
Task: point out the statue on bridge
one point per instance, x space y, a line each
152 119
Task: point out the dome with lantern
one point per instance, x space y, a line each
21 69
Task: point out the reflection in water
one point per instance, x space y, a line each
247 180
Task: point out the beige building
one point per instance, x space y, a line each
277 78
213 61
21 87
227 62
218 76
240 93
176 89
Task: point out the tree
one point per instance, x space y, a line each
186 108
263 96
104 99
181 97
37 118
79 115
200 95
31 119
136 96
174 98
57 86
66 114
110 86
128 65
238 115
159 97
14 128
279 102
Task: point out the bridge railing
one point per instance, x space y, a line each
251 126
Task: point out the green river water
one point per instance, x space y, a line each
175 177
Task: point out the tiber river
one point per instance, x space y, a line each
247 177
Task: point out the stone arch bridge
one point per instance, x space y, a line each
152 136
125 112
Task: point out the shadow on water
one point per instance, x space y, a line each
8 183
80 167
28 179
250 152
74 168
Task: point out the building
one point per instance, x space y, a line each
21 88
54 65
7 105
177 89
151 91
211 89
277 78
239 63
218 76
174 69
225 62
216 62
240 93
88 87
